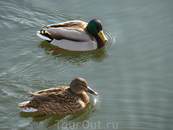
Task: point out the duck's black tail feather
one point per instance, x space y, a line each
44 35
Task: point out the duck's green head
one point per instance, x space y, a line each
80 85
94 27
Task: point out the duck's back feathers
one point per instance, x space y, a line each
72 30
69 24
76 35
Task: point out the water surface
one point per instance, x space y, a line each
133 75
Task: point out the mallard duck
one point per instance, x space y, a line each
75 35
59 100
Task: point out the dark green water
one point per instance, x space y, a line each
133 76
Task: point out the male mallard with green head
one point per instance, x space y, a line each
75 35
59 100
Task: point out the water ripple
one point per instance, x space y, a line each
111 39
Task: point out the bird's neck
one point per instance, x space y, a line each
84 97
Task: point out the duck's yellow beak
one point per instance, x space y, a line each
102 36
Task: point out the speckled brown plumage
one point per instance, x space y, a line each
61 99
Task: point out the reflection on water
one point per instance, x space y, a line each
75 57
65 120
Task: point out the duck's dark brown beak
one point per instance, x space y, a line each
91 91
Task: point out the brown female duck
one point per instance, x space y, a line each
59 100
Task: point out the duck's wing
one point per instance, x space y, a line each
48 95
72 31
40 98
57 101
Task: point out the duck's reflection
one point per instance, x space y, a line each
61 121
75 57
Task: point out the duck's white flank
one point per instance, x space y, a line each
75 46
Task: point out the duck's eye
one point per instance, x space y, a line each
99 27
